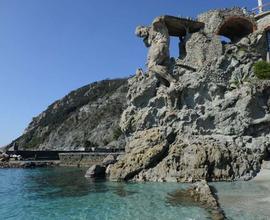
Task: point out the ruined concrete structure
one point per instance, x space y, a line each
211 121
233 24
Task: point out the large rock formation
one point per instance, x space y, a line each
85 118
213 122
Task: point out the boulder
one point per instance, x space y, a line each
95 171
110 159
4 157
153 145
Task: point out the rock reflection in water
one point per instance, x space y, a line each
122 192
64 182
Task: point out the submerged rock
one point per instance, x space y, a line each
199 194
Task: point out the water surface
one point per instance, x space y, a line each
64 193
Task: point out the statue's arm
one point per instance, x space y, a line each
147 41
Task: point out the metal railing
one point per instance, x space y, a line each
54 155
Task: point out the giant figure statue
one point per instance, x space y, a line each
157 38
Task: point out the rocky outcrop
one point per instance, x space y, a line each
110 159
84 119
212 123
203 194
4 157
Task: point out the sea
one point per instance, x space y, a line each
63 194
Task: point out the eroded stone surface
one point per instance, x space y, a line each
211 123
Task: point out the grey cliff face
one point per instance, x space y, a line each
85 118
213 122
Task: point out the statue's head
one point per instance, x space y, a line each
142 31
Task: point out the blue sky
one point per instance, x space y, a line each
50 47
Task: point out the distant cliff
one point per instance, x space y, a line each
87 117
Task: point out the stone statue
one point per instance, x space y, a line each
157 38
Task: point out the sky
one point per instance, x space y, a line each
51 47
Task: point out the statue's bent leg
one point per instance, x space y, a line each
162 72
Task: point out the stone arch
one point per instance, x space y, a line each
236 27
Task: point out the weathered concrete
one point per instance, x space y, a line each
178 26
233 23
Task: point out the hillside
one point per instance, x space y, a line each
87 117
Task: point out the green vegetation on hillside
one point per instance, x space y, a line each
262 70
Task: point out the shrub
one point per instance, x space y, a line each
262 70
105 142
117 133
34 142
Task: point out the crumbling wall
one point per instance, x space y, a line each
232 23
202 50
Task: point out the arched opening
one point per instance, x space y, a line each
225 40
236 28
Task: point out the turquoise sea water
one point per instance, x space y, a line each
63 193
